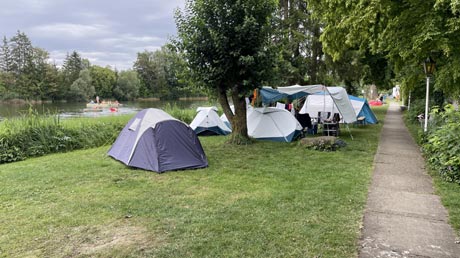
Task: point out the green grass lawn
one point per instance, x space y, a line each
262 200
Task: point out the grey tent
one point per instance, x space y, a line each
154 140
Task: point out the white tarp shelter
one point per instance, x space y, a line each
333 100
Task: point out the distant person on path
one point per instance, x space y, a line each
97 99
396 92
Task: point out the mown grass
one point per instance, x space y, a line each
262 200
449 192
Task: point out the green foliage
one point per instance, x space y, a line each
82 89
442 148
162 73
25 71
404 32
185 115
417 107
449 192
128 85
296 35
35 135
103 79
228 48
225 43
73 65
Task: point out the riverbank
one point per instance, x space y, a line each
24 102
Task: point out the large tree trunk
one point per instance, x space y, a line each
317 53
223 101
238 119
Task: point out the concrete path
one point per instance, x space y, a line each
403 217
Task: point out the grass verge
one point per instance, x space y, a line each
262 200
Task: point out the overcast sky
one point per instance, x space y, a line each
107 32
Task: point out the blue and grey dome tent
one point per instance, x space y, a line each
154 140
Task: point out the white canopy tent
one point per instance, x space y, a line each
336 101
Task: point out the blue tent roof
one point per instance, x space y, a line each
270 95
365 111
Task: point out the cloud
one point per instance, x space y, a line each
106 32
128 41
70 30
24 7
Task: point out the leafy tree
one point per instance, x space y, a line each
227 46
128 85
22 53
162 73
104 80
297 36
7 80
170 66
5 56
71 68
82 89
147 71
26 69
34 78
404 32
51 80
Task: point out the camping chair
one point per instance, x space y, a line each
323 116
360 121
336 118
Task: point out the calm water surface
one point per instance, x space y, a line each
80 110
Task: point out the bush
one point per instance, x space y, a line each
417 107
185 115
34 135
37 135
323 143
442 144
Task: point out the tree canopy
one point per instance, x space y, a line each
227 46
404 32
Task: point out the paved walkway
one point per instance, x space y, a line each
403 217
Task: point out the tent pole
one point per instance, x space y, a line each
349 131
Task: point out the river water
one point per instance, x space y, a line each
67 110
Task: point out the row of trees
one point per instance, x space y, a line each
233 47
400 33
294 54
27 73
305 42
